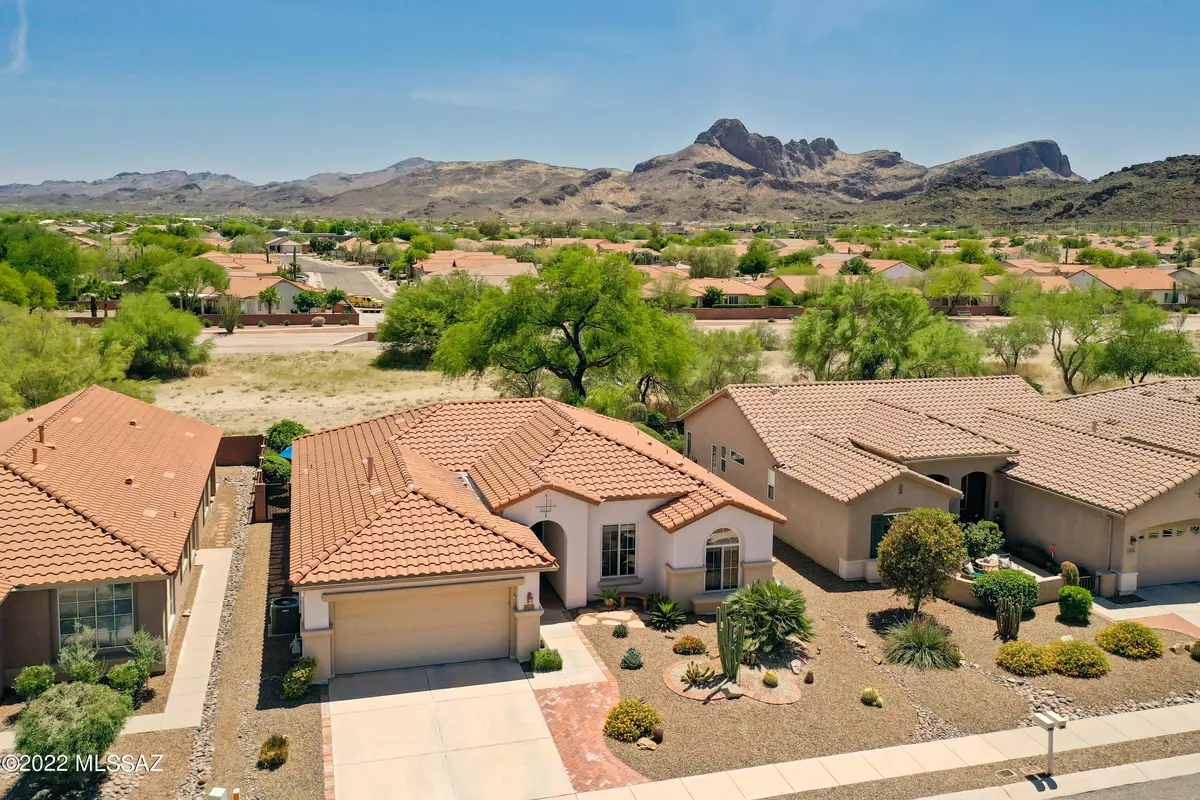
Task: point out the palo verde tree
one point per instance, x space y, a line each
919 553
582 312
1078 325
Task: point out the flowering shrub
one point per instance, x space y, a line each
1024 658
630 720
690 646
1130 640
1076 658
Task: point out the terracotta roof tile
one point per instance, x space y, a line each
113 492
1144 278
1114 475
1164 415
345 527
902 434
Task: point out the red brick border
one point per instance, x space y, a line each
575 716
327 743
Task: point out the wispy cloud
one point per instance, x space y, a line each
20 53
524 93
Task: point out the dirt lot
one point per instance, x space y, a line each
246 393
829 718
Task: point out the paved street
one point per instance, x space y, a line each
356 279
1186 787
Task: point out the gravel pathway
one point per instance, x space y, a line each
200 765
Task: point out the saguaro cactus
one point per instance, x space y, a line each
731 642
1008 618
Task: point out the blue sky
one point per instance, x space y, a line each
280 89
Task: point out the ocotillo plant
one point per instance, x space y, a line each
731 642
1008 618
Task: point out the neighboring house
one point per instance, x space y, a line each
256 263
102 502
495 270
284 245
247 288
1022 266
1165 415
1187 279
841 459
832 263
792 284
735 292
1148 282
421 537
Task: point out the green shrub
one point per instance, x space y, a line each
1074 603
632 659
620 631
206 323
921 644
609 596
77 658
281 434
318 322
126 678
1130 640
1076 658
276 469
630 720
1070 574
772 612
273 753
297 679
991 586
1195 651
1024 658
286 323
870 697
770 679
345 321
546 660
33 680
262 323
147 650
666 616
690 646
983 539
76 720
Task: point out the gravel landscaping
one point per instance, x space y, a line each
249 708
850 619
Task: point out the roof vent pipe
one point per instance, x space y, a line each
370 462
42 433
35 455
1095 426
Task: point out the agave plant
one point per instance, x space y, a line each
666 616
772 612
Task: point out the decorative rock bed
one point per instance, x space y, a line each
750 684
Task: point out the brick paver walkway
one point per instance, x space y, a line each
218 531
575 716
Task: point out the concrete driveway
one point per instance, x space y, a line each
470 731
1158 604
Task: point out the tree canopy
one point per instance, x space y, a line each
161 340
418 316
188 278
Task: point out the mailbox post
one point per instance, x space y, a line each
1049 722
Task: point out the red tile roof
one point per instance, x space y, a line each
511 449
1164 415
1144 278
113 492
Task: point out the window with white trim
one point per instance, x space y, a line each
618 550
737 457
724 456
106 608
687 446
712 458
722 561
770 484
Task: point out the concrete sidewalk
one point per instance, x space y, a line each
756 783
1082 782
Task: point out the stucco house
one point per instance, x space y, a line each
733 291
435 534
247 289
841 459
1148 282
102 502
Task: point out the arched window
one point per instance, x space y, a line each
940 479
722 561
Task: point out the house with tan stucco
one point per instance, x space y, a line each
440 533
841 459
102 502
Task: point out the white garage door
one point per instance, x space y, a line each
415 627
1169 555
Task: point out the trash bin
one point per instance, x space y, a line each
285 616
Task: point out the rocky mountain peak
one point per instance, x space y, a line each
768 153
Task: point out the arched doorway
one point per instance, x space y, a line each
551 588
973 506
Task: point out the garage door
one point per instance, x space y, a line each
1169 555
416 627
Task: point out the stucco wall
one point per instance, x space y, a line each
895 495
721 422
1082 534
26 622
956 468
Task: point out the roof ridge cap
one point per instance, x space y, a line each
949 422
116 533
357 423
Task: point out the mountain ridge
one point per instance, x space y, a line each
727 172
